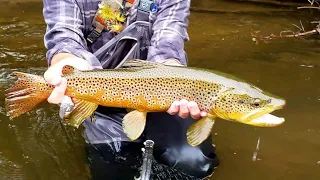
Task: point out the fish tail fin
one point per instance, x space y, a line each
26 93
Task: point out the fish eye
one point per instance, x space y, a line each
256 102
241 101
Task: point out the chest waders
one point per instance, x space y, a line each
166 131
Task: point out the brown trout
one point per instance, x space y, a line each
151 87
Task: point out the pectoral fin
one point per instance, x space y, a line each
82 110
200 130
134 123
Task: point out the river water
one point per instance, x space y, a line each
37 146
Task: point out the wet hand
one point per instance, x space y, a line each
185 108
54 76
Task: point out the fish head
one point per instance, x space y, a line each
249 105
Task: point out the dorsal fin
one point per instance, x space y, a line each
136 63
67 69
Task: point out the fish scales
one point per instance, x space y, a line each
144 89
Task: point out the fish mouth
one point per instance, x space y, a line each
259 117
263 118
266 120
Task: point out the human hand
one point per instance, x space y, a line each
54 76
185 108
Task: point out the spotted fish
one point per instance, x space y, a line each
151 87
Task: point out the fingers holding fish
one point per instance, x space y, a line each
58 92
54 76
54 72
203 113
194 110
185 108
174 108
183 111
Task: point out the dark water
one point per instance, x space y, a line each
37 146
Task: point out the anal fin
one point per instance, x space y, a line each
200 130
134 123
82 110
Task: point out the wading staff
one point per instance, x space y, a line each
147 160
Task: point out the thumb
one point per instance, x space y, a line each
53 75
57 94
54 72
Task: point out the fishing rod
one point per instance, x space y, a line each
147 160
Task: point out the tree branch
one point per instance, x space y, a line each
294 35
308 7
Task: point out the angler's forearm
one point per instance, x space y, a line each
60 56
